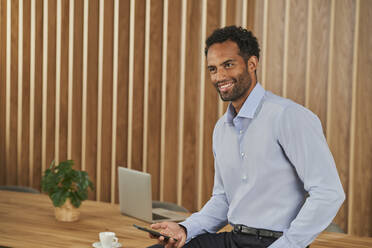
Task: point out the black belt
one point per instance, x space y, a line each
258 232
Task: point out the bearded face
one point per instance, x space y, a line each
228 71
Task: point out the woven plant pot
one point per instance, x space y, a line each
67 212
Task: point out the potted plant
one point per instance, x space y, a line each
67 188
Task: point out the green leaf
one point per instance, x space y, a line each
59 197
75 200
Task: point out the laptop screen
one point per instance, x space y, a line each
135 193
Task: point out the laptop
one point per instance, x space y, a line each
135 198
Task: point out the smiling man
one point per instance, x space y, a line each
275 179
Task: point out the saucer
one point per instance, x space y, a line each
114 245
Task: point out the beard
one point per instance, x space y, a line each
240 87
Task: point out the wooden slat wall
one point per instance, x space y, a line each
112 83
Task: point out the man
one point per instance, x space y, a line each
269 154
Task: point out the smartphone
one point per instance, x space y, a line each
153 233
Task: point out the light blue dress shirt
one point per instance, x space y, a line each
267 158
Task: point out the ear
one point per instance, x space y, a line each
252 64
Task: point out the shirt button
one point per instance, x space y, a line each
242 154
244 177
241 131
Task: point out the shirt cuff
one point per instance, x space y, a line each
184 228
191 227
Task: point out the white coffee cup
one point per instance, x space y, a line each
107 239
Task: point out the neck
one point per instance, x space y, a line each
239 102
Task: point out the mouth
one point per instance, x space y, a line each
225 86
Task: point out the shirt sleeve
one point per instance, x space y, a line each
301 137
213 216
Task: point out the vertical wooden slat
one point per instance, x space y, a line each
191 103
12 91
330 68
114 99
99 100
362 214
244 12
339 99
37 169
84 87
264 57
173 20
70 76
45 85
181 105
163 99
155 94
223 13
58 81
107 99
7 86
146 86
274 51
123 79
350 215
211 109
239 13
32 92
130 82
3 88
63 80
20 87
138 87
201 104
51 82
308 52
78 69
286 47
251 14
25 177
92 93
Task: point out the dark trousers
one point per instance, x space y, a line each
227 240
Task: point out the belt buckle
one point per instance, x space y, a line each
237 228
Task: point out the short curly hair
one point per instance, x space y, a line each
246 41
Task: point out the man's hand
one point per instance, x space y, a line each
172 230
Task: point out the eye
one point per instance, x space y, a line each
212 69
229 65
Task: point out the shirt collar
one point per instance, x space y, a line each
250 105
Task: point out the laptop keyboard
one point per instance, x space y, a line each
158 217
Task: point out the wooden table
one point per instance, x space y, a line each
27 220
